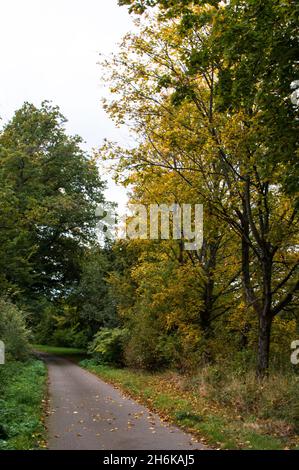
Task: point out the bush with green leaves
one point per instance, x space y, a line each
69 337
13 331
108 345
148 348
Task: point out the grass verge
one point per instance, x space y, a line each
22 391
73 354
187 403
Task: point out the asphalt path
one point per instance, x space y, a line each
85 413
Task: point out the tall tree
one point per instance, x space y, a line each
164 69
51 190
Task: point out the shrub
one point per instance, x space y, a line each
275 398
69 337
46 326
108 346
146 347
13 331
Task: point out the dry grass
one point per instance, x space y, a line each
222 408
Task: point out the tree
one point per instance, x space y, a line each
254 45
163 70
93 297
51 189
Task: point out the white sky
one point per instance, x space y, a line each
49 50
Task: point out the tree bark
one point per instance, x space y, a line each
265 315
265 323
209 261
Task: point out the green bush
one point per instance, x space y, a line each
13 331
69 337
46 325
55 329
108 345
149 347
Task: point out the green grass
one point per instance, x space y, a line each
73 354
167 394
22 390
58 351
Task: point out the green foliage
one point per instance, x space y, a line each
93 297
205 86
69 337
108 345
13 331
45 323
59 351
50 189
148 345
22 389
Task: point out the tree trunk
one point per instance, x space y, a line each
205 317
265 323
209 265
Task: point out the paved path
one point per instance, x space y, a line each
87 413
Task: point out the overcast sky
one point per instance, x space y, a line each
49 50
